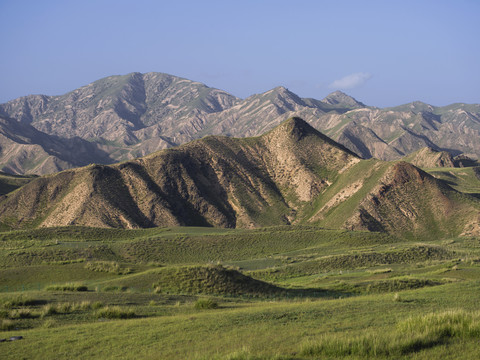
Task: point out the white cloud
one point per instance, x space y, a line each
350 81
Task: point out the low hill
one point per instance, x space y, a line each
292 174
198 279
216 181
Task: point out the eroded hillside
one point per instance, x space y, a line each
292 174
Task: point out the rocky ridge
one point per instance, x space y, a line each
292 174
133 115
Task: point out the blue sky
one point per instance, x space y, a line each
384 53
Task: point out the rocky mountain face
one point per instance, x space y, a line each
429 158
124 117
402 130
292 174
24 149
338 98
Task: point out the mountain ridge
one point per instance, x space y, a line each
21 143
292 174
128 116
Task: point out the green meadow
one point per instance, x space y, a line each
289 292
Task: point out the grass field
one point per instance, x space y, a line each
289 292
9 182
462 179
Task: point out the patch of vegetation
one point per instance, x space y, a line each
206 304
7 325
23 313
115 312
107 266
67 287
390 285
114 288
212 279
64 262
380 271
410 336
17 301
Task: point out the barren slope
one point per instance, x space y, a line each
25 150
216 181
410 202
137 114
292 174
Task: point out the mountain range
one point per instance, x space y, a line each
292 174
119 118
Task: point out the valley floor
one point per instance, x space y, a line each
272 293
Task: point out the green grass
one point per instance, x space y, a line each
410 336
168 246
206 304
264 329
10 182
16 301
67 287
107 266
115 312
298 292
464 180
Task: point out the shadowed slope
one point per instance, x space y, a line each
9 182
25 150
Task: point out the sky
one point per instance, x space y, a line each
383 53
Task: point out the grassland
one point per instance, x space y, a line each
288 292
9 182
461 179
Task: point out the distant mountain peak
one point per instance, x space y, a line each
280 90
340 98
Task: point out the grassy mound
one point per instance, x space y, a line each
210 280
